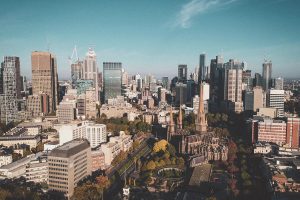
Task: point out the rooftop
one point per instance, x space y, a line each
70 148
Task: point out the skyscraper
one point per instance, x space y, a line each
165 82
76 71
90 70
202 68
267 75
233 72
216 83
112 75
44 77
11 89
278 83
182 73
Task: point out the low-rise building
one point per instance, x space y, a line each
17 136
37 170
94 133
5 159
262 148
15 169
98 160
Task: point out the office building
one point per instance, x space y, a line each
216 83
112 75
254 99
270 130
90 70
44 77
66 111
278 83
68 164
165 82
232 76
182 73
293 132
181 93
267 75
202 68
275 99
11 89
76 71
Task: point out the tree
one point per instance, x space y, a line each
103 181
4 194
135 144
150 165
119 158
171 149
180 161
87 191
160 146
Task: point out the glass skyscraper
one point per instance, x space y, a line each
112 75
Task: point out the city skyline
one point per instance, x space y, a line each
170 33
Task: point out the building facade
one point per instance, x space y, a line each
10 90
68 164
45 78
112 75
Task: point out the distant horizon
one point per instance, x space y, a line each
154 37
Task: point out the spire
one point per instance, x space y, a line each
171 129
201 123
180 118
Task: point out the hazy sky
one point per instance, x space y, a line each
154 36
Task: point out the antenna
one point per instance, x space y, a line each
48 44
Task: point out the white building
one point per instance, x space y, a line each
37 171
94 133
15 169
115 146
5 160
260 148
275 99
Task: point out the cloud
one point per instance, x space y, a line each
197 7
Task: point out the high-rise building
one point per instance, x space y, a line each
90 70
293 132
202 68
216 83
44 77
68 164
182 73
267 75
257 79
11 89
275 99
247 79
181 93
112 72
278 83
254 99
76 71
165 82
233 72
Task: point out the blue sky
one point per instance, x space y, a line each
155 36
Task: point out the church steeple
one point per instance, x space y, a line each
171 128
179 122
201 122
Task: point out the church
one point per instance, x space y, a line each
202 144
